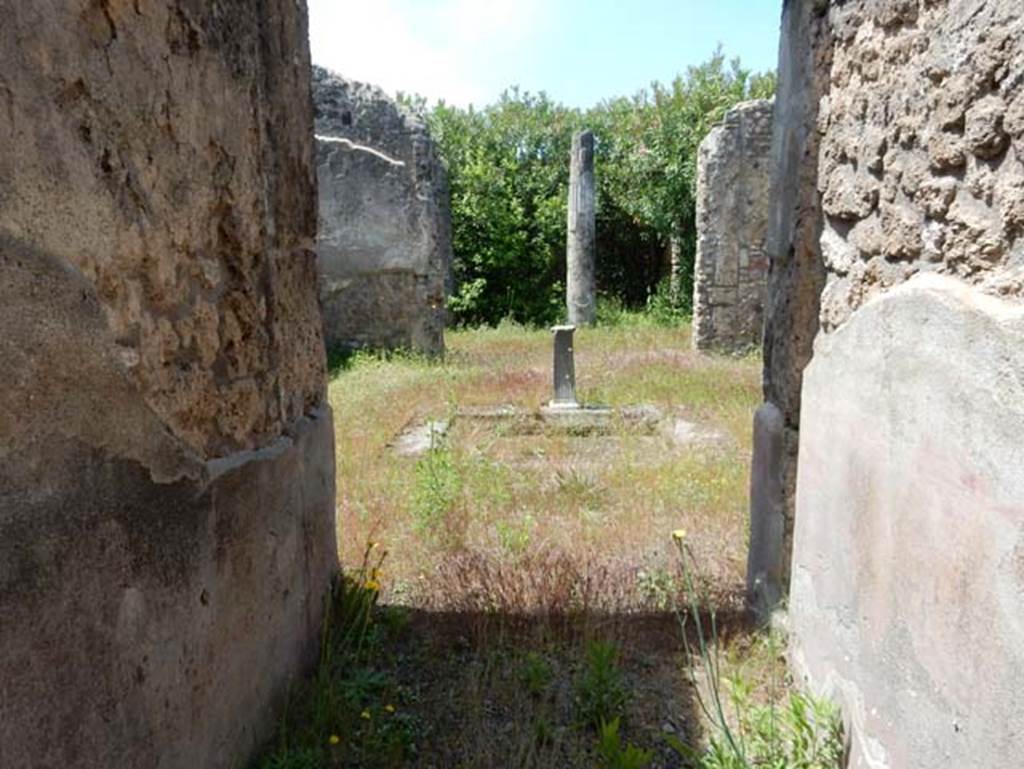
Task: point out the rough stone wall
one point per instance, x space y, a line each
732 220
922 160
384 243
908 519
166 469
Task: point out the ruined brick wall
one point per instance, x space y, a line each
732 218
908 517
384 243
166 469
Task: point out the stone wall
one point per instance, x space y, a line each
732 219
384 243
906 569
166 452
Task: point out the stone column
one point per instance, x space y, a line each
675 268
580 292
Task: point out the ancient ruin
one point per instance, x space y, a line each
167 469
581 296
384 242
166 451
732 220
896 230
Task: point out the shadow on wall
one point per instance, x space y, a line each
166 451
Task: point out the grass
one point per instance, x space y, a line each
526 615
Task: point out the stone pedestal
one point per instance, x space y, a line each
565 369
580 249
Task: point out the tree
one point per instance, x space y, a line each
508 170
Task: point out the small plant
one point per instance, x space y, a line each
543 732
515 536
349 710
438 489
601 691
658 587
664 309
614 755
535 674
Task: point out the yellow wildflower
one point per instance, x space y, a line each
679 535
372 584
389 708
365 715
334 739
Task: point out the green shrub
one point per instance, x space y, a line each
508 169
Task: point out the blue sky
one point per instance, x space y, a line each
579 51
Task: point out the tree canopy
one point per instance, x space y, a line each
508 167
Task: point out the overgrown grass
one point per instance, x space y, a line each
528 615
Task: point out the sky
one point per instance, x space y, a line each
578 51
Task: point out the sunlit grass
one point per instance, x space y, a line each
613 495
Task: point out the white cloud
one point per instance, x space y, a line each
460 50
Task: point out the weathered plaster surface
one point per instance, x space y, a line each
141 146
907 596
733 179
384 243
166 456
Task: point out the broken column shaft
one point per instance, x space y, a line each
580 249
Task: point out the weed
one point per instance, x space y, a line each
806 733
535 674
437 492
601 691
543 731
349 712
658 588
514 536
614 755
